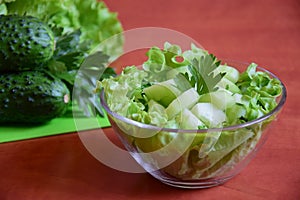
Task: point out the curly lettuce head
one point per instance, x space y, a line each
93 18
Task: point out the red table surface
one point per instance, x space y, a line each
266 32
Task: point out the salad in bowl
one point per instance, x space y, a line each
189 119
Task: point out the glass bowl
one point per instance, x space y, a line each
195 158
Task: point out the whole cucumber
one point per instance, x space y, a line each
31 97
26 43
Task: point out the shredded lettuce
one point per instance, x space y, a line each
259 92
120 95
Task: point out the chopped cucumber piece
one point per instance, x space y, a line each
163 93
186 100
221 98
188 120
232 74
209 114
238 97
228 85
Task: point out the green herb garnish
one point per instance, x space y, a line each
202 76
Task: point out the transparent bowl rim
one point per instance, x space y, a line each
280 104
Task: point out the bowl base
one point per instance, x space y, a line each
200 184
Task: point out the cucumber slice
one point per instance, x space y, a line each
228 85
163 92
186 100
188 120
221 98
238 98
209 114
232 74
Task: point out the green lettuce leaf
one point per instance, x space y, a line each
162 64
3 9
259 92
120 96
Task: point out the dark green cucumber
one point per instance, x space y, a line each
31 97
26 43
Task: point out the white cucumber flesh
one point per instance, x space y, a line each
228 85
238 98
209 114
232 74
221 98
186 100
188 120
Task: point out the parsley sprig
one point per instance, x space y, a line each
73 63
202 76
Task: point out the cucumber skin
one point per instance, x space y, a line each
26 43
163 92
31 97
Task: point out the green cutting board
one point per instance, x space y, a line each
60 125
